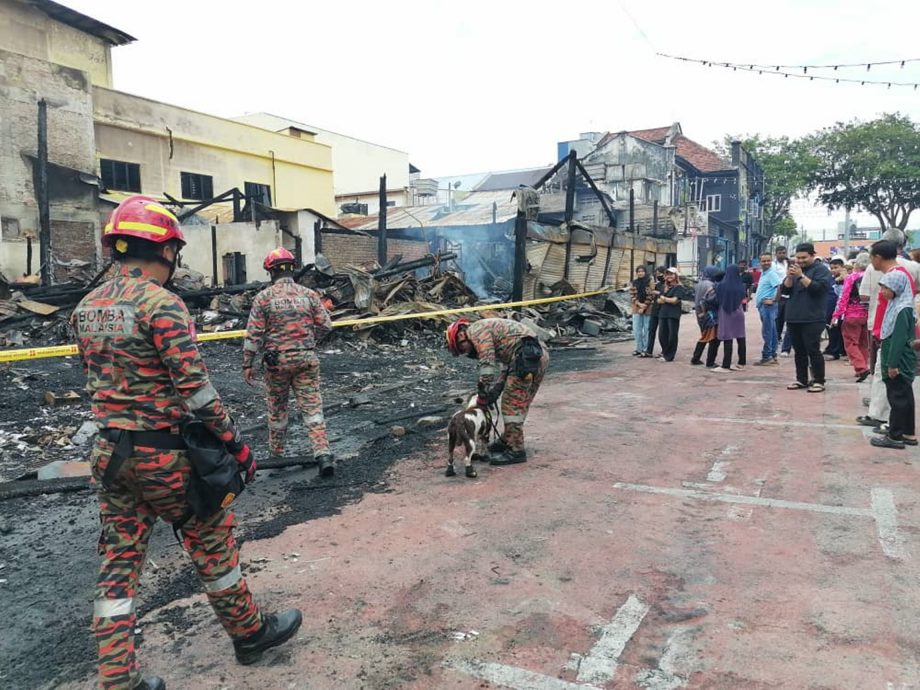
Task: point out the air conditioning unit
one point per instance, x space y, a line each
355 208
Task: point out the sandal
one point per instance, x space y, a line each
797 386
887 442
816 388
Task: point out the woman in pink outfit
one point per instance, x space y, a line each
852 314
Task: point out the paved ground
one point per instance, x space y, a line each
673 528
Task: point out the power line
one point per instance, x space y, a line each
776 70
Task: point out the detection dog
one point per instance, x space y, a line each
468 427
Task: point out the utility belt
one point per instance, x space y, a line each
125 441
272 358
214 482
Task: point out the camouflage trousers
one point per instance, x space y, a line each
303 377
152 484
515 403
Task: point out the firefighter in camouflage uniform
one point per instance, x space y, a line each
146 377
285 323
512 362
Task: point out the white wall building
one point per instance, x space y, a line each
357 164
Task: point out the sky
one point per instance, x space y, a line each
494 84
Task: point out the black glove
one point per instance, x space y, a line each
490 394
240 450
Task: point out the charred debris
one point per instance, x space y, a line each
32 315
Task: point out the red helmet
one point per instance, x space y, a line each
277 257
452 332
144 218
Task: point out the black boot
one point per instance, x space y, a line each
277 628
326 465
498 446
151 683
510 457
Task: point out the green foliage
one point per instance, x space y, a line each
872 165
785 227
787 164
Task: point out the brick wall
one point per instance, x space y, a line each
358 250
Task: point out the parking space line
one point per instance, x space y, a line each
512 677
746 500
717 472
600 664
886 521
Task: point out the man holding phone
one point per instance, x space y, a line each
807 283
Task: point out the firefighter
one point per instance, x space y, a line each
512 362
285 323
145 377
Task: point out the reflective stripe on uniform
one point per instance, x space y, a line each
107 608
513 419
488 370
250 346
201 397
314 418
225 582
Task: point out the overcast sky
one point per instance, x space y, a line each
491 85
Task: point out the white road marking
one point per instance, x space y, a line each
773 422
886 520
600 665
512 677
675 652
746 422
719 465
746 500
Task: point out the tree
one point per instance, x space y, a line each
786 164
871 165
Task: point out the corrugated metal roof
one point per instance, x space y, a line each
511 180
474 209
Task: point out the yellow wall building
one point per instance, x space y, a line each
132 143
156 148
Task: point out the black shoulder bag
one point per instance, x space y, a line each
215 480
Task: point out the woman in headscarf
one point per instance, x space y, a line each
706 309
641 299
898 360
851 315
730 294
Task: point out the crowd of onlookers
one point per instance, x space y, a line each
862 307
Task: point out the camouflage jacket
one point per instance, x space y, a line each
496 342
285 317
142 364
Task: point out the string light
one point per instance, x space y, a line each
775 67
777 70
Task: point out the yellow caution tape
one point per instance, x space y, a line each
67 350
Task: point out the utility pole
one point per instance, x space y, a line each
41 193
382 223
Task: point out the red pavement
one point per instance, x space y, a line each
782 553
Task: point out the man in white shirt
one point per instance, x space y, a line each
869 291
781 266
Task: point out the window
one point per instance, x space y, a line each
125 177
195 186
714 202
259 192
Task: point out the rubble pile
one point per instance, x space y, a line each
31 315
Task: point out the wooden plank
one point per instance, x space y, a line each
37 307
